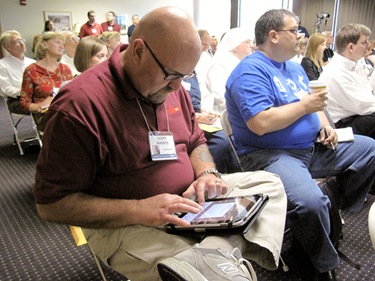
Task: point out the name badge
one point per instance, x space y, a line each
55 91
110 28
162 146
93 30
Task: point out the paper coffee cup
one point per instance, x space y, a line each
316 86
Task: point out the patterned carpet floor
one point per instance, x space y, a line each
31 249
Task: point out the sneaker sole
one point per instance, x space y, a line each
171 269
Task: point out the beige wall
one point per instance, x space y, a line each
29 20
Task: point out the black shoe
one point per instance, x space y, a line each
327 276
304 265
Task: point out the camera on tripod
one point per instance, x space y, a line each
323 15
319 18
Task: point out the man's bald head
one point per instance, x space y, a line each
165 40
167 25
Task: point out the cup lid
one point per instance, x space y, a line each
317 84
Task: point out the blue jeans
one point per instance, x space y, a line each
220 149
353 164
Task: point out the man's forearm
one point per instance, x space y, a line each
201 159
276 118
89 211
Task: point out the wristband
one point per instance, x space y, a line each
210 171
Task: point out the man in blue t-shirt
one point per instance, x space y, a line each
275 124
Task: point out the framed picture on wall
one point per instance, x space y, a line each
62 20
121 20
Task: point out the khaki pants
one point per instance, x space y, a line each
135 250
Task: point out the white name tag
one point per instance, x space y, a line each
162 146
55 91
94 30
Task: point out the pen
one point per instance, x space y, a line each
330 143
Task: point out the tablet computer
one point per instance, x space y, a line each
224 213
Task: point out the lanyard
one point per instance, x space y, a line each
144 116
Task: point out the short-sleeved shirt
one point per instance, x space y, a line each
90 30
259 83
96 139
108 27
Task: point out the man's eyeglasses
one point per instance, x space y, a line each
364 44
18 41
168 76
74 39
295 30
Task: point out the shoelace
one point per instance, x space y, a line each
247 268
244 264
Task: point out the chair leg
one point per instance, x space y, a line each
17 140
98 263
37 133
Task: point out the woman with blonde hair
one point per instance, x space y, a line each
112 39
42 79
313 60
90 51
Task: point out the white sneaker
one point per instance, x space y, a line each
200 264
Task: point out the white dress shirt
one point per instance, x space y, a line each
65 59
11 74
349 93
201 69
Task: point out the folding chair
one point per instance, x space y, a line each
80 240
15 120
38 133
227 127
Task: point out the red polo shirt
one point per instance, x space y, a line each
96 139
90 30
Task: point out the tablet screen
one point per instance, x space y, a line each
222 210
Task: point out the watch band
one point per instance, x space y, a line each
210 171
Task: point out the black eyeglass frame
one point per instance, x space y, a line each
295 31
169 76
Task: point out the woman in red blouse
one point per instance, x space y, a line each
41 80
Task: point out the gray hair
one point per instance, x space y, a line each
6 37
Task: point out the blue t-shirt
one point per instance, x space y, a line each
259 83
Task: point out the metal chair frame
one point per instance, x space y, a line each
15 120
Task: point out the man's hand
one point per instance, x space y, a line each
315 102
161 209
328 137
206 118
207 186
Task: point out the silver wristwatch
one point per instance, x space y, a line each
210 171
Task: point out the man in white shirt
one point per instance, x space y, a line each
351 102
12 67
71 42
202 67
